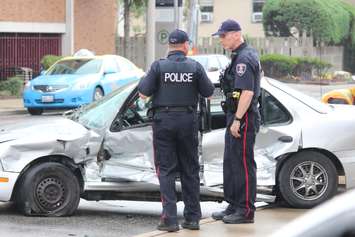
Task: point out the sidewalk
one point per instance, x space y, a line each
11 106
267 221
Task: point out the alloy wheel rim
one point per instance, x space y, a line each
309 180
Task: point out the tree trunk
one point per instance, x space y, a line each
126 26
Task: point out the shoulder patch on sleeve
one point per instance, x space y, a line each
240 69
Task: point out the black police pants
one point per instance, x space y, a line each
175 138
239 167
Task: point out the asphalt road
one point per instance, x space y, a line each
93 219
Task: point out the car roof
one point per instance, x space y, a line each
206 55
90 57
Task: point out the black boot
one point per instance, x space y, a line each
237 218
191 225
219 215
163 226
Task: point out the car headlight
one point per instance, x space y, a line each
81 85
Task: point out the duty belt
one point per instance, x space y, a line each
174 109
234 94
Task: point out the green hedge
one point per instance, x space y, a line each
49 60
281 66
12 86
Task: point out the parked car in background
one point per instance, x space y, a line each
340 96
213 64
75 81
334 218
104 151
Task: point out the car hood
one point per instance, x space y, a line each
63 79
46 127
20 144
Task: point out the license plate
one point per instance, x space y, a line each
47 98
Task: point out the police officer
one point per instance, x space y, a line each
241 86
175 84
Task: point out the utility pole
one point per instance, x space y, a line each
176 14
193 21
150 34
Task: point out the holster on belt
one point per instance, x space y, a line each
231 102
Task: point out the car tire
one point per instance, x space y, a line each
300 187
48 189
35 111
98 94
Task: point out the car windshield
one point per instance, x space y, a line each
100 114
202 60
76 66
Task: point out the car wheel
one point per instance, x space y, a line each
49 189
35 111
307 179
98 94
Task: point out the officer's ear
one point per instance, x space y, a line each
237 34
186 47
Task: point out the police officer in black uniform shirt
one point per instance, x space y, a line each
241 86
175 84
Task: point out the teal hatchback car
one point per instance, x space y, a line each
75 81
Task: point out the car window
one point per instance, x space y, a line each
76 66
213 63
202 60
273 112
224 61
136 112
216 99
125 65
91 116
111 65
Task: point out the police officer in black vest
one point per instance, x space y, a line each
175 84
241 86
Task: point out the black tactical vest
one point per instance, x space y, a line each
177 84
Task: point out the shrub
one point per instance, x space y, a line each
49 60
13 85
281 66
276 65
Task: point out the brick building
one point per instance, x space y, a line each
30 29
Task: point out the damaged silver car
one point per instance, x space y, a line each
104 151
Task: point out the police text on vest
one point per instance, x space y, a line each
178 77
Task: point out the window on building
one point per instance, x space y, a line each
257 14
206 8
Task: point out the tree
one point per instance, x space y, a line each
135 7
326 21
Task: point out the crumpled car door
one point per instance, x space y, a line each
129 150
131 155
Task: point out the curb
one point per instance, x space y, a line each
161 233
12 111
